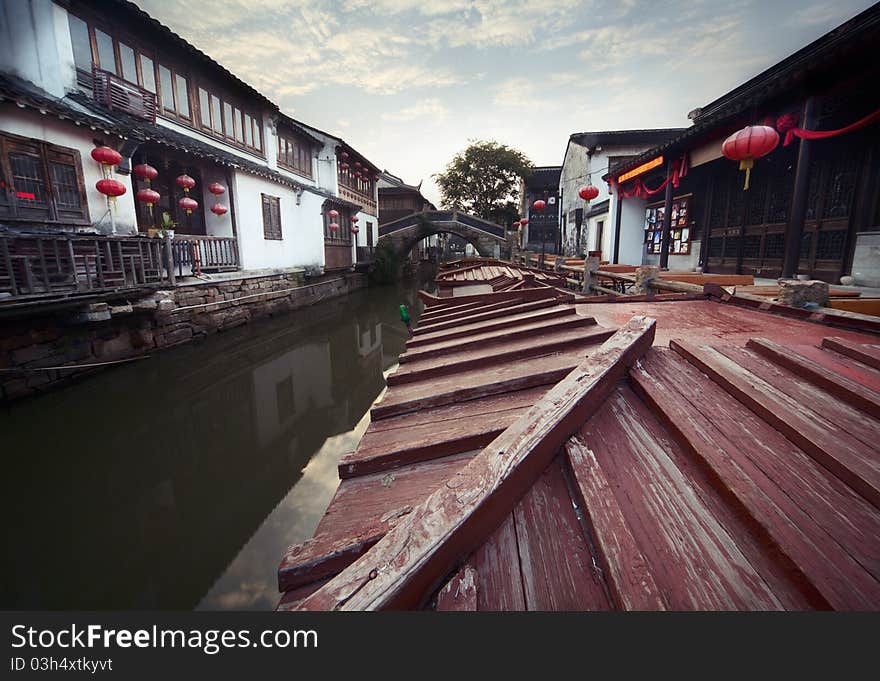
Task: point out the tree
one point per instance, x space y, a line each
484 180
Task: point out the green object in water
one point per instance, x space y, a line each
404 315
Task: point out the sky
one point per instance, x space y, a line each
409 82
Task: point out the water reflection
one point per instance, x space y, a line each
177 481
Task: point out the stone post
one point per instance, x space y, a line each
591 264
797 293
644 275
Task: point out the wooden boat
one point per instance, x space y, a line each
537 453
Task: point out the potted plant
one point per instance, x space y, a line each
166 229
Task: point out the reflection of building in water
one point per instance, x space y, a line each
293 383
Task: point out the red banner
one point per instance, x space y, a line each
822 134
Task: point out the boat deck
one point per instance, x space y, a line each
585 457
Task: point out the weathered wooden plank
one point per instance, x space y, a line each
495 338
462 314
570 342
513 321
358 515
627 573
485 316
406 565
863 352
497 563
694 554
445 390
558 569
291 599
460 592
839 452
817 563
849 391
813 397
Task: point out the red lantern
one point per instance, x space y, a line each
589 192
375 178
355 229
188 204
216 188
344 166
185 182
524 222
750 143
145 171
110 187
354 218
343 155
148 196
333 226
333 214
106 156
517 224
219 209
357 164
539 205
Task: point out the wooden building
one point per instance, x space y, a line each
79 74
813 204
542 233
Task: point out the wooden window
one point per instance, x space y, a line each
204 108
82 45
215 114
248 130
41 182
106 54
128 63
239 136
148 74
271 217
166 89
182 95
227 118
295 154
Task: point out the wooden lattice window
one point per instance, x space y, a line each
41 182
271 217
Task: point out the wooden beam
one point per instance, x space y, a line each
460 592
408 563
859 396
866 354
842 455
626 571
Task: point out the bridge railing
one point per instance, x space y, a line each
427 217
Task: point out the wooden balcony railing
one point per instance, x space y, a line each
51 265
115 93
195 254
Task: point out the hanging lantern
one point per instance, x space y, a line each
106 156
539 205
343 155
355 229
219 210
110 187
344 166
333 226
216 188
589 192
148 196
516 224
354 218
185 182
524 222
146 172
333 214
357 164
188 204
750 143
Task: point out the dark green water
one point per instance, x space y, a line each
176 482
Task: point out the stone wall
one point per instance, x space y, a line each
120 330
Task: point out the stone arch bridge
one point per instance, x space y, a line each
488 238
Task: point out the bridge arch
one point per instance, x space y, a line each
488 238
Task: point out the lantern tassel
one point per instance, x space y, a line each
747 164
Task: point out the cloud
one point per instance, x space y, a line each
431 108
816 15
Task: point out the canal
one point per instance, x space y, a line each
177 481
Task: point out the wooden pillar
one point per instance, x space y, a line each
169 260
616 257
667 221
795 229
